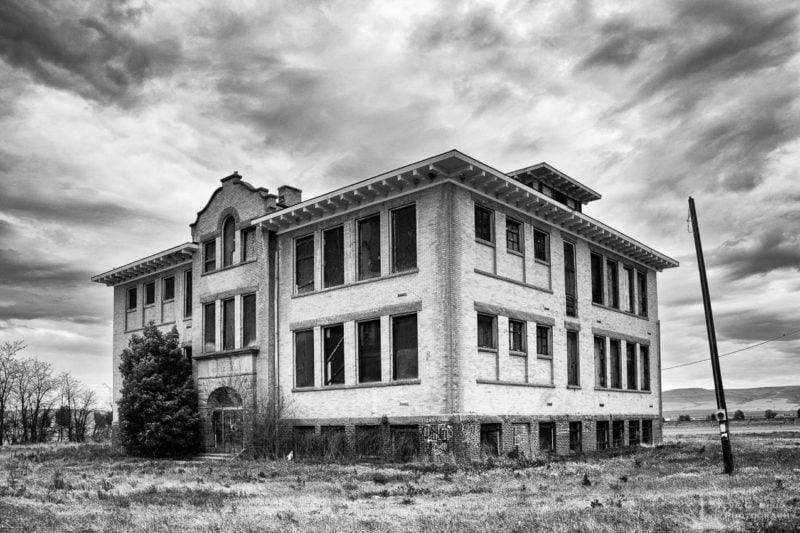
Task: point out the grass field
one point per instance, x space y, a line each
675 487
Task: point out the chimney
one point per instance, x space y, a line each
289 196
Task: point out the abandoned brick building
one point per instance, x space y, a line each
469 310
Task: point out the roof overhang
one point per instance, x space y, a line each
168 258
558 180
462 170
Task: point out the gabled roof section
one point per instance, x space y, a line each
168 258
557 180
236 179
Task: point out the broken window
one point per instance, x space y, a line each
404 347
333 351
615 365
633 432
644 353
404 238
575 436
150 293
369 351
210 256
333 257
305 441
570 285
597 278
547 436
630 364
486 331
228 310
647 432
617 433
484 220
600 362
187 294
541 246
543 340
631 290
304 358
602 434
304 263
168 289
490 440
405 442
513 236
228 241
209 327
131 298
248 320
334 441
641 282
573 359
516 336
248 244
369 247
612 273
368 441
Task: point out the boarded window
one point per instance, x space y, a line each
600 362
486 331
597 279
541 246
575 436
304 358
334 441
368 441
187 294
641 287
168 290
543 340
570 285
633 432
228 310
618 433
630 364
516 336
405 442
602 434
333 352
631 291
304 264
573 365
404 239
209 256
305 441
547 436
513 235
248 244
248 320
404 347
615 366
333 257
131 298
369 351
612 273
150 293
490 440
483 224
228 241
644 353
647 432
209 327
369 247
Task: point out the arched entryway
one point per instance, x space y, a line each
225 406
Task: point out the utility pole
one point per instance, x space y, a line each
722 409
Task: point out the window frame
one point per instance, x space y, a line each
309 359
512 247
362 274
641 292
612 283
490 222
631 366
601 370
128 306
209 259
254 340
228 238
393 232
248 233
149 297
598 278
210 327
326 283
228 323
615 364
548 332
306 287
644 368
576 436
602 427
165 292
360 358
327 361
187 293
550 428
522 348
493 346
544 249
629 273
395 352
570 281
573 358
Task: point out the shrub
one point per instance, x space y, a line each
769 414
738 415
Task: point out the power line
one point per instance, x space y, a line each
735 351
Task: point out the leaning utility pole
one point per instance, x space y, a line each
722 409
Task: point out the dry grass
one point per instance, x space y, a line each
677 487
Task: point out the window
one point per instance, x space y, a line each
490 440
187 294
543 341
513 236
570 285
368 441
333 350
516 336
631 292
248 244
404 239
633 432
304 358
486 331
617 433
597 279
647 432
209 327
483 224
547 436
150 293
405 442
615 365
600 362
168 290
228 241
573 364
228 310
644 381
641 282
369 351
131 299
630 364
575 436
210 256
304 264
612 273
541 246
187 352
369 247
248 320
404 347
602 434
333 257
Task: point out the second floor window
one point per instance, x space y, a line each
543 340
404 238
573 360
369 247
612 273
600 362
513 235
644 368
150 293
516 336
304 358
615 364
570 283
168 290
187 294
209 327
541 246
333 352
641 286
248 244
131 299
333 257
210 256
483 224
369 351
228 241
228 310
630 365
486 332
597 278
405 364
248 319
304 264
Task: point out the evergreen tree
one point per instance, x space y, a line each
158 409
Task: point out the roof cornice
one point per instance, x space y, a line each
174 256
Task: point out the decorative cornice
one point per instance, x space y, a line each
172 257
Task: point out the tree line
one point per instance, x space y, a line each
38 406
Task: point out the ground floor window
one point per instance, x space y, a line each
490 440
575 436
547 436
647 432
305 441
334 441
405 442
602 434
633 432
617 433
368 441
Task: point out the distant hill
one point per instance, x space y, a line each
699 402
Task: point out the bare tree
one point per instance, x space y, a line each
8 368
42 389
84 406
70 390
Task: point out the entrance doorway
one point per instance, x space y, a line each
225 405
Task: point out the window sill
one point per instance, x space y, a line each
227 353
376 384
229 267
518 354
487 350
609 389
513 383
168 301
514 252
511 280
356 283
544 357
490 244
541 262
574 387
620 311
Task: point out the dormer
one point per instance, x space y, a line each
555 184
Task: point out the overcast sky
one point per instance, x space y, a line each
118 123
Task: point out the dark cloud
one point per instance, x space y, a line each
90 53
472 28
764 251
19 268
621 43
753 325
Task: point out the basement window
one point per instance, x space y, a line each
601 379
615 366
150 293
543 341
405 442
575 436
248 244
602 434
644 354
248 319
573 360
333 351
647 432
490 440
304 358
541 246
617 433
630 365
547 436
333 257
131 299
612 273
633 432
369 247
404 239
484 220
487 327
304 264
209 327
404 347
368 441
513 236
228 310
597 278
516 337
210 256
168 289
369 351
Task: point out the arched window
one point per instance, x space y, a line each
228 241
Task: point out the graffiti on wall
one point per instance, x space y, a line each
438 435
